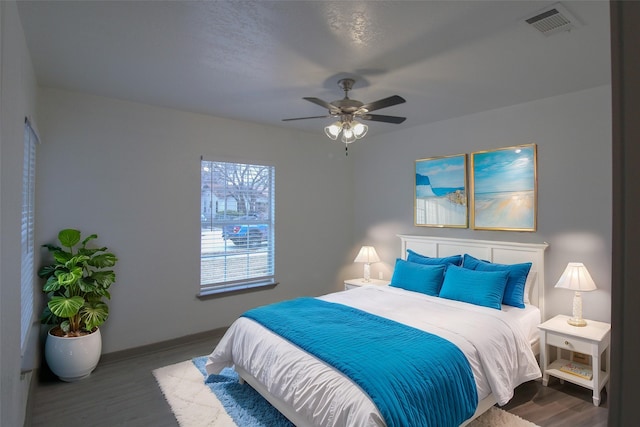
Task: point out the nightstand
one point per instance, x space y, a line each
356 283
593 340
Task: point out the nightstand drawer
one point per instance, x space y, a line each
568 343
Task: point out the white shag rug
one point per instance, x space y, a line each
496 417
194 405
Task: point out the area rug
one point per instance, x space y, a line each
198 400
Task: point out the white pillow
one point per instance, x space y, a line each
531 277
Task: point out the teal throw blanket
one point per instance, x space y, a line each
413 377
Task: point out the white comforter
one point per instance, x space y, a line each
493 341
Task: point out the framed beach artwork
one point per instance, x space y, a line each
441 192
504 189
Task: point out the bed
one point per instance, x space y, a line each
309 392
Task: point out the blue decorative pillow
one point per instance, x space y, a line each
514 292
422 259
475 287
426 279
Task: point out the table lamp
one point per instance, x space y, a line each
367 255
576 277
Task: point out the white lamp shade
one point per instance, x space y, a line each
359 129
333 130
347 135
367 254
577 278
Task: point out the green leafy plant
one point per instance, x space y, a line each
77 284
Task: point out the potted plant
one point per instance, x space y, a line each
77 283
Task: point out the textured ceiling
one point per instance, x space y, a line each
255 60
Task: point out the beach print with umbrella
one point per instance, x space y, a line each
441 191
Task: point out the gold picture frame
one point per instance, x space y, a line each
504 189
440 192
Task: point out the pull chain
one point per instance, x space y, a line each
346 150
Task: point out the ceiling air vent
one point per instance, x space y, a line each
552 20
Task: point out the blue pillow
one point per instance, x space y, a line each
514 292
422 259
475 287
426 279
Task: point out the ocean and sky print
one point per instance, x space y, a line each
504 188
441 191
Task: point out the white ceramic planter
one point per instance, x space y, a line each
73 359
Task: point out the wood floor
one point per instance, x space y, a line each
123 392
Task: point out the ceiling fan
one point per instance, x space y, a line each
347 110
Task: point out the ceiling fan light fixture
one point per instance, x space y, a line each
333 130
348 135
359 129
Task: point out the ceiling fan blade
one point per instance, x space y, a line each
304 118
332 108
381 118
383 103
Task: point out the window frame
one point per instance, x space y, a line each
27 230
217 217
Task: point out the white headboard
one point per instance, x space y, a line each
493 251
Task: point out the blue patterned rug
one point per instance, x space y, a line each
243 404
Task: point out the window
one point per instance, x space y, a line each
27 273
237 226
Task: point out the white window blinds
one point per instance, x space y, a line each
237 226
27 272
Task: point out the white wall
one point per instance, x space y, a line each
17 100
573 134
132 168
131 174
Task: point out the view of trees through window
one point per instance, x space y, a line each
237 218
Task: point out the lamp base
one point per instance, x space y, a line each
367 272
576 322
576 319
